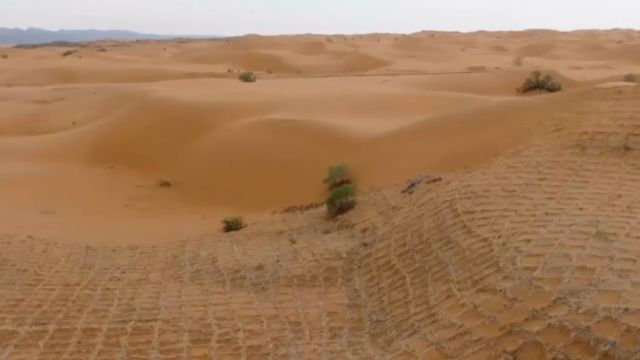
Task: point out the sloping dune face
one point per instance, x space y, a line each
526 249
123 116
531 256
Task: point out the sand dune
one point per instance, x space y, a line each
525 250
390 105
216 140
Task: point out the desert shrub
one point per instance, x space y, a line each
341 200
633 78
248 77
102 50
231 224
337 175
4 56
164 183
69 53
537 81
518 61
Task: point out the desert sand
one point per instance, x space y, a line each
527 249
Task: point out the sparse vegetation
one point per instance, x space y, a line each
632 78
539 82
164 183
69 53
341 200
342 191
232 224
518 61
102 50
248 77
337 175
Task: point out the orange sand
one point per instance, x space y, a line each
87 136
527 249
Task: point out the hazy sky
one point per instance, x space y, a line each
231 17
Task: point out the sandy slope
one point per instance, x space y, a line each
526 250
121 116
531 256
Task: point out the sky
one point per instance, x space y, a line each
237 17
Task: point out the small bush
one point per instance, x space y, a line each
518 61
102 50
69 53
337 175
4 56
248 77
341 200
632 78
537 81
164 183
233 224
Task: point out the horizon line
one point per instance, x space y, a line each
141 32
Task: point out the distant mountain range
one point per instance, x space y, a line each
38 36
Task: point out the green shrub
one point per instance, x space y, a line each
248 77
69 53
233 224
633 78
537 81
337 175
341 200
